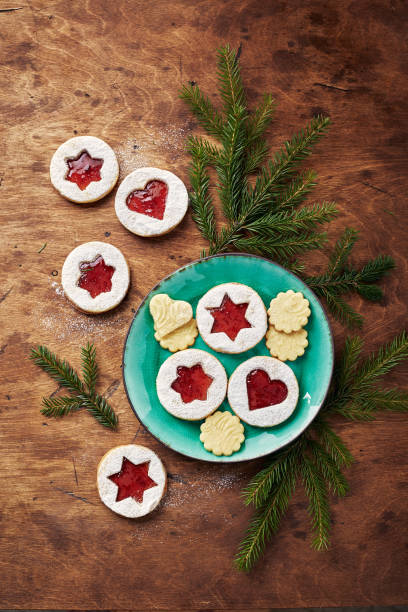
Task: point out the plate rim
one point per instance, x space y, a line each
188 265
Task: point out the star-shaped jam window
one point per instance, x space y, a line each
229 317
192 383
132 480
96 276
83 170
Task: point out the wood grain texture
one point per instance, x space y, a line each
113 69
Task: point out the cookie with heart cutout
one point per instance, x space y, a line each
131 480
231 318
95 277
191 384
84 169
151 202
263 391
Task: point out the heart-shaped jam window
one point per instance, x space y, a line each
84 169
262 391
150 201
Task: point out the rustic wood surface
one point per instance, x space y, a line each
113 69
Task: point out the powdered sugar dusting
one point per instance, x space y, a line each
147 149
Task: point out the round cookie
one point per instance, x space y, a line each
263 391
286 347
191 384
151 202
238 310
289 311
95 267
131 480
84 169
222 433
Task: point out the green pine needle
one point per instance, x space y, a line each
203 109
83 393
319 510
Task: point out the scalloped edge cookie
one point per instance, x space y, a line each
286 347
222 433
289 311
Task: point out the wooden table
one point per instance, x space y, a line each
113 69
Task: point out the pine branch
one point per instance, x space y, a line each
293 222
342 250
89 367
261 118
200 199
203 109
83 393
383 361
332 443
319 510
330 471
229 76
59 406
281 247
293 193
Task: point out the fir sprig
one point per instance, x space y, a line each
318 457
342 279
83 394
265 214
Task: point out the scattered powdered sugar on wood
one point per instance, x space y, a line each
153 148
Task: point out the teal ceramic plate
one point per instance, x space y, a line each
143 356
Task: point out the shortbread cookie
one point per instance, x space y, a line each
263 391
151 202
180 338
84 169
289 311
131 480
95 277
168 315
222 433
191 384
231 318
286 347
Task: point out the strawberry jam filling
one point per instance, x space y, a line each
262 391
84 169
192 383
96 276
132 480
229 317
150 201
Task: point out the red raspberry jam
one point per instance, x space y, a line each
96 276
132 480
229 317
192 383
83 170
149 201
262 391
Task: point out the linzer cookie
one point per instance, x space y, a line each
173 322
95 277
231 318
131 480
191 384
151 201
222 433
286 347
289 311
84 169
263 391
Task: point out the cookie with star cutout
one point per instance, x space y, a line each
84 169
95 277
231 318
191 384
131 480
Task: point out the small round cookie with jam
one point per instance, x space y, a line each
151 202
131 480
95 277
263 391
231 318
84 169
191 384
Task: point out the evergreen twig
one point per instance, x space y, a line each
83 393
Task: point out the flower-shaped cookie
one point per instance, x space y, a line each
289 311
286 347
222 433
